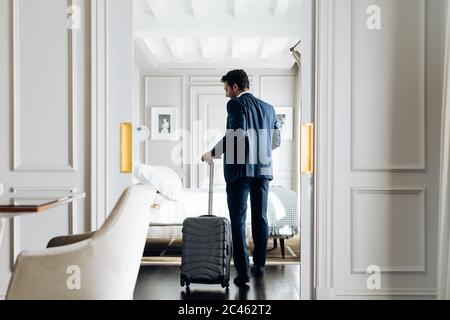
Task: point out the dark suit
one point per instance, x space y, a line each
252 133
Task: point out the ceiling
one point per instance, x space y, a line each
188 34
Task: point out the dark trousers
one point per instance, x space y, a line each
237 195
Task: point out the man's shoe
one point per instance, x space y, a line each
241 281
257 271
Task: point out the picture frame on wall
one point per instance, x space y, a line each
285 117
164 123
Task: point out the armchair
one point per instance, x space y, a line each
108 260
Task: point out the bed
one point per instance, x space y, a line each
173 204
282 210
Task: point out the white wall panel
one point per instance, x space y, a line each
379 107
44 87
43 113
119 86
281 91
388 86
164 92
388 229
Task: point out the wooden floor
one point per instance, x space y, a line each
163 283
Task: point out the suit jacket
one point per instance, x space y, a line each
253 132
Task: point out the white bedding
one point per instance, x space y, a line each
282 209
191 203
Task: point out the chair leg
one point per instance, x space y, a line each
282 248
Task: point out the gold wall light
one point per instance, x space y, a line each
307 149
126 148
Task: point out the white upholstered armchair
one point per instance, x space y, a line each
102 266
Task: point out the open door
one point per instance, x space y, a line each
379 107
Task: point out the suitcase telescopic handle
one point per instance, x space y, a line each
211 188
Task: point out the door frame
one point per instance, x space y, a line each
99 68
307 89
111 23
311 186
323 213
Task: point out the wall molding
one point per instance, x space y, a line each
211 80
421 192
18 165
324 179
385 293
100 187
421 166
15 222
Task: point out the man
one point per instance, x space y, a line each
252 133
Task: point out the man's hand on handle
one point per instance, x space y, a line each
208 158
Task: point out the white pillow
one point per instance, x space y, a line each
164 179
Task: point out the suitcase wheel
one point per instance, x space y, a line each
183 284
226 285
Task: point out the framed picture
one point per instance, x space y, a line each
285 117
164 123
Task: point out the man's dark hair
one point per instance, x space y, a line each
238 77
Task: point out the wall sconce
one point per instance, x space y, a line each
142 134
126 148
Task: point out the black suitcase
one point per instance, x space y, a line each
207 247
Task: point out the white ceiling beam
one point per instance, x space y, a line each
143 45
175 48
156 8
205 47
266 48
240 7
281 7
236 48
223 64
267 26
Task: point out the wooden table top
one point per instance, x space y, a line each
16 204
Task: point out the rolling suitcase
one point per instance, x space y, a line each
207 247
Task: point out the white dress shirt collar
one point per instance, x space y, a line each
245 92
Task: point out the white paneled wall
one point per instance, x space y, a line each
164 92
119 85
281 91
380 96
43 117
201 104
